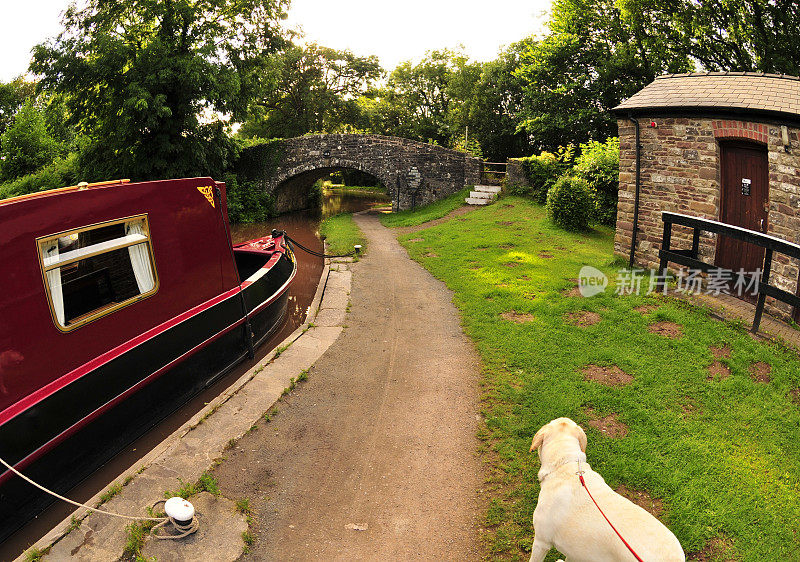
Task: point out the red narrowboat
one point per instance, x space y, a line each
120 301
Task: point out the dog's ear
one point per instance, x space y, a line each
538 439
582 439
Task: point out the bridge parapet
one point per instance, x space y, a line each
414 173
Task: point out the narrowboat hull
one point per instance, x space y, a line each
65 429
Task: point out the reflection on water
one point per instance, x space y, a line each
335 202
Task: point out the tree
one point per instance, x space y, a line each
418 98
314 89
743 35
495 107
592 58
12 95
26 145
148 82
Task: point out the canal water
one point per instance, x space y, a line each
302 226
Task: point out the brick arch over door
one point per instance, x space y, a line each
408 169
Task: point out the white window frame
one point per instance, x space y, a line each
74 256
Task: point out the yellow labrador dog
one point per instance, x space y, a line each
566 518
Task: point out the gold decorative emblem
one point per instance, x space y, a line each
208 192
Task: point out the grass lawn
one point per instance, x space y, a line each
435 210
719 454
341 233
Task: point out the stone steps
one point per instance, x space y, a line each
482 195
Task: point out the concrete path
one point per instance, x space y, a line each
193 448
374 457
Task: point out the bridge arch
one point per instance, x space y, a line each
411 171
291 187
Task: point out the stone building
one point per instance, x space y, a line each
718 145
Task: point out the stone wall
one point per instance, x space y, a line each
515 174
680 172
412 172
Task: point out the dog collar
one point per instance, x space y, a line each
559 466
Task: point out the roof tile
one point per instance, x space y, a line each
763 92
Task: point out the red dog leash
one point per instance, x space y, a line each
583 483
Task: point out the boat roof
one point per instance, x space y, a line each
47 192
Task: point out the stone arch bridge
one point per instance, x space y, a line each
413 172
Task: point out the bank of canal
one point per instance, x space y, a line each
302 226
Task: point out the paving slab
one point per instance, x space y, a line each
195 448
220 523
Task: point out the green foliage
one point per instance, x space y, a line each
446 98
416 99
36 554
12 95
62 172
469 145
590 61
311 89
493 108
542 172
243 506
255 163
754 35
248 538
598 164
599 52
186 490
110 493
26 145
144 80
208 483
258 158
248 201
136 534
569 203
427 101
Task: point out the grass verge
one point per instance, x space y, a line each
435 210
342 233
721 454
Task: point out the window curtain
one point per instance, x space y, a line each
54 282
140 259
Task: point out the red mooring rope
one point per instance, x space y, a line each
580 475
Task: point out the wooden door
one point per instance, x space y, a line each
744 202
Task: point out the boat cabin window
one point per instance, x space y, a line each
91 271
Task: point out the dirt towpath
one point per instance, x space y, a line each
374 457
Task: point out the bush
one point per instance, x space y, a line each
569 203
469 146
542 172
26 146
598 164
62 172
247 200
257 159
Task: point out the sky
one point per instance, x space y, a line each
393 30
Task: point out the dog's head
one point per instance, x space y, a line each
560 428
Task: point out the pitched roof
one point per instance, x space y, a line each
741 92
